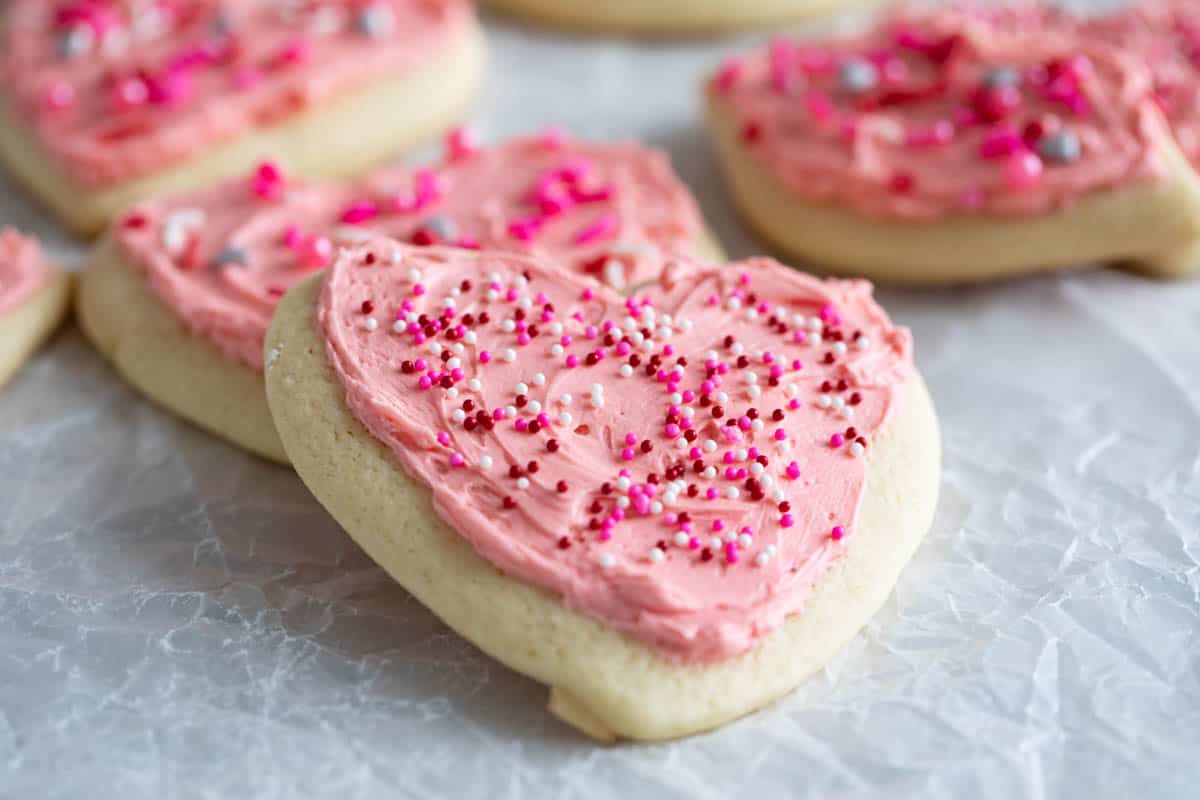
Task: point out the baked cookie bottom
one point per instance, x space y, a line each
338 138
24 328
179 370
601 682
1151 227
666 18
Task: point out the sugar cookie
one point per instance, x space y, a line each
955 146
671 520
106 104
180 294
668 17
33 300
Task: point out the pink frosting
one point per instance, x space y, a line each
683 465
22 269
221 258
947 112
115 89
1165 35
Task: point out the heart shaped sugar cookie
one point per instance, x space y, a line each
34 298
110 102
671 508
180 294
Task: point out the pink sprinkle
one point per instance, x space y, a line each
744 423
418 289
672 430
1001 141
461 143
793 470
837 533
425 382
360 211
693 543
572 360
731 554
293 52
604 226
499 414
630 439
521 424
543 419
443 438
819 106
627 454
718 525
484 356
588 294
787 521
523 338
1023 170
728 74
292 236
780 434
710 493
420 364
457 460
317 251
837 440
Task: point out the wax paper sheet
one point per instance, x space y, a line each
178 619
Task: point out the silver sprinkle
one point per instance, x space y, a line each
1060 148
858 75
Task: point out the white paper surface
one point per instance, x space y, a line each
178 619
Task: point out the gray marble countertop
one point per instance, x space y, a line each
178 619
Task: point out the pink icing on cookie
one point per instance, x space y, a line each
116 89
221 258
1165 35
682 465
22 269
948 112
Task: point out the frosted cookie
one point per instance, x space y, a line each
180 294
108 102
33 300
667 17
955 147
670 508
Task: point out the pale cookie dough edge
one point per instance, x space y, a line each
177 369
1154 227
23 329
668 18
604 683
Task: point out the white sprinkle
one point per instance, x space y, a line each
625 370
622 502
564 419
791 390
710 472
856 449
709 445
508 326
454 363
681 443
597 401
623 483
510 412
394 256
670 498
458 348
751 377
745 540
565 399
737 349
732 492
711 355
731 536
656 555
681 539
435 348
771 549
452 392
778 496
733 304
814 323
688 412
675 398
485 462
458 415
839 402
370 324
474 384
715 543
722 397
399 326
754 391
522 389
509 355
629 324
597 388
862 343
648 346
469 337
534 407
839 348
539 379
556 328
756 469
757 425
556 350
414 275
492 295
522 483
656 507
766 480
761 559
824 400
607 560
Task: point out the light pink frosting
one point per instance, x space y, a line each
1165 35
22 269
616 515
116 89
912 121
628 207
